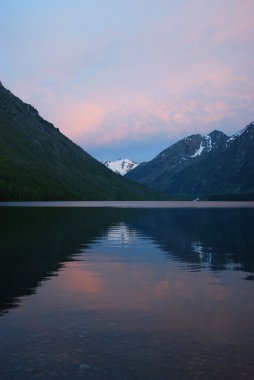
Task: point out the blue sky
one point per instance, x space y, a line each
128 78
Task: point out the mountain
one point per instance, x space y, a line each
121 166
214 166
37 162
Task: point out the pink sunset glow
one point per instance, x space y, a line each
133 78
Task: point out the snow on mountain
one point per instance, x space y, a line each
121 166
206 144
247 129
215 165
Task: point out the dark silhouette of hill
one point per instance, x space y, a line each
37 162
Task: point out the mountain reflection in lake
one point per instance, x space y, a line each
126 293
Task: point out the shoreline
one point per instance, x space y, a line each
132 204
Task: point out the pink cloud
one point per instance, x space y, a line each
164 77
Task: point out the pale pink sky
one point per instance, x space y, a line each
128 78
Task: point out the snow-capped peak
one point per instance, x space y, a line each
121 166
238 134
206 143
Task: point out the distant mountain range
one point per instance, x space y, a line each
121 166
214 166
37 162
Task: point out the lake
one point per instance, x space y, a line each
137 291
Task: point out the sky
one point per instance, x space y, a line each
126 79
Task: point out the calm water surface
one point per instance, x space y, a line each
110 293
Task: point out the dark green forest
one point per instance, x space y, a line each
37 162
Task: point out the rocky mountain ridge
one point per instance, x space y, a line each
203 166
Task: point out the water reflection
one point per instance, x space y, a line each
120 234
34 243
223 239
126 294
